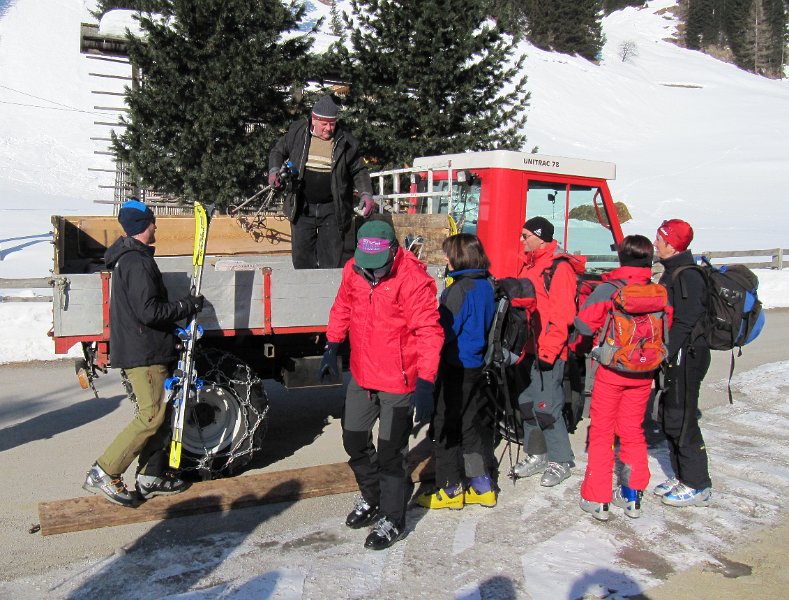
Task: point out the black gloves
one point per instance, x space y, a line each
544 365
196 302
328 368
422 400
193 302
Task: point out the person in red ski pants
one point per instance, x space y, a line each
619 400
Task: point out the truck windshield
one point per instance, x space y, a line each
572 210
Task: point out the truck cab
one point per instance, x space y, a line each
494 192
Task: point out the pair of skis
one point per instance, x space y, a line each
184 385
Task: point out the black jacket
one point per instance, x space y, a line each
348 169
686 293
142 320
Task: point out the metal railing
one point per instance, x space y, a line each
396 201
27 283
776 257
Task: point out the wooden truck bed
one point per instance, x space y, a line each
249 282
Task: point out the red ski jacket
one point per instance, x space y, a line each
555 307
393 326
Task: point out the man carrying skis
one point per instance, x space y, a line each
142 322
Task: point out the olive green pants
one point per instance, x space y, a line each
148 433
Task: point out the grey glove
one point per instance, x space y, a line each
274 180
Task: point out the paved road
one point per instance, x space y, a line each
534 544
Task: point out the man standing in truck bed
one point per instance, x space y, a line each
320 206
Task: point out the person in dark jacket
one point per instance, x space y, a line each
386 306
458 429
320 206
142 343
689 359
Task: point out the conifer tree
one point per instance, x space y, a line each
335 22
104 6
756 31
758 41
430 77
568 26
610 6
214 94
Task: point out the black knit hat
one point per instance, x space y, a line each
135 217
541 227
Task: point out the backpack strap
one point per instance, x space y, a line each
699 329
547 274
618 285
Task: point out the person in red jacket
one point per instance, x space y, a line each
388 307
619 399
553 274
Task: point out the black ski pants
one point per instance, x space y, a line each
316 239
380 472
679 405
459 428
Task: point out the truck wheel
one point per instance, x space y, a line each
224 429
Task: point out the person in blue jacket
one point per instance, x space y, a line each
466 313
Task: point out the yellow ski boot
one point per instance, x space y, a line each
451 497
480 491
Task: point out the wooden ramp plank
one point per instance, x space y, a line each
93 512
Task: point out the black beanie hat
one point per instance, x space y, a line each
541 227
135 217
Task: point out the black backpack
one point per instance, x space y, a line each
507 338
515 298
734 314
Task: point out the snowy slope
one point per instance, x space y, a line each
692 137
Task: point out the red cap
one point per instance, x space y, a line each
677 233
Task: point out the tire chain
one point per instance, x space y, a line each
244 377
250 381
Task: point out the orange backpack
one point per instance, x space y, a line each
635 334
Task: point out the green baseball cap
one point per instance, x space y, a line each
375 239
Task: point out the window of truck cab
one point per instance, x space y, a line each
576 212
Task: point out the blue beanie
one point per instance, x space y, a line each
135 217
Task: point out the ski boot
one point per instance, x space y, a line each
628 500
